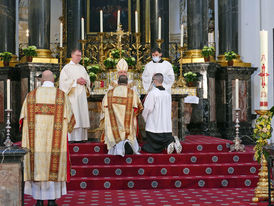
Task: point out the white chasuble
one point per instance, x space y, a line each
78 98
163 67
120 108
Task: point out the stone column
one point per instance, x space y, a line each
39 25
7 22
197 29
160 8
228 25
75 11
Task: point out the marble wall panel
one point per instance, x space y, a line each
212 99
11 184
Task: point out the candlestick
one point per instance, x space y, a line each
8 94
264 70
101 20
118 20
136 21
83 29
61 34
237 94
237 141
160 27
182 35
181 80
8 142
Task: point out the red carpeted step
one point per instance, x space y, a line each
152 159
165 170
154 182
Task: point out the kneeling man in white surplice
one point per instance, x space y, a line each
120 108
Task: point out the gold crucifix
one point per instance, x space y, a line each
119 33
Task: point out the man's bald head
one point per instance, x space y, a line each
47 76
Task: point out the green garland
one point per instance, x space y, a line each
261 133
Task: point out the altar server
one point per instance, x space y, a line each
47 118
157 115
75 82
158 65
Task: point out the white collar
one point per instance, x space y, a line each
48 84
71 62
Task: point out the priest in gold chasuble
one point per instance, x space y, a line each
47 118
120 108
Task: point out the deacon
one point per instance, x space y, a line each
157 115
158 65
47 118
75 82
120 108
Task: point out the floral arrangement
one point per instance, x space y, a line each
230 55
93 70
208 51
190 77
131 61
30 51
175 69
111 61
6 56
261 133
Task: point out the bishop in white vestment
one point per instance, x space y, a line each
157 115
157 65
75 82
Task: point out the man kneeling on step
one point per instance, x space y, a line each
120 107
157 115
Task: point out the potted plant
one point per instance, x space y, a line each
131 61
6 57
95 68
92 77
191 79
207 52
229 56
87 61
30 52
109 63
116 53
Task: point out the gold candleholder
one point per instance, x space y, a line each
237 141
61 51
181 80
101 51
261 191
137 46
83 42
159 42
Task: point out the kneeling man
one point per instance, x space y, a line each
120 107
157 115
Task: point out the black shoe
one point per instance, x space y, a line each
52 203
128 149
39 203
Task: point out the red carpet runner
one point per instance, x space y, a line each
205 163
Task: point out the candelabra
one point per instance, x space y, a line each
137 47
101 51
61 50
181 80
83 42
8 142
237 142
159 42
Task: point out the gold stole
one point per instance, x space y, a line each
57 110
128 101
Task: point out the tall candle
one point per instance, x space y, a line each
61 34
136 21
264 70
160 25
118 19
237 93
101 20
83 29
8 94
182 35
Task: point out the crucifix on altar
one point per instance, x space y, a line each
119 34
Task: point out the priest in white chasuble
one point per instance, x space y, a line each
47 118
158 65
75 82
157 115
120 107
